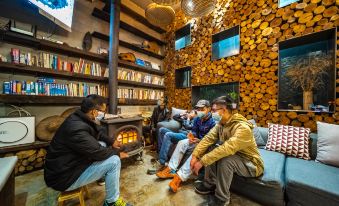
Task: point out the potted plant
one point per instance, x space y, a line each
234 96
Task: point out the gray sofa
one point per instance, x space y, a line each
287 180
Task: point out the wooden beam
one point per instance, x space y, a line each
113 55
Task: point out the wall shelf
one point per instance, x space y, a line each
128 45
140 84
36 71
40 44
125 26
130 65
29 146
137 102
135 16
39 100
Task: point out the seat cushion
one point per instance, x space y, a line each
269 188
311 183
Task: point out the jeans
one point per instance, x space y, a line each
109 169
185 170
161 133
166 144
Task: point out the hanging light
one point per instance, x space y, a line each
166 2
197 8
159 15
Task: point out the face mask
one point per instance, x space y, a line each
216 117
100 116
201 114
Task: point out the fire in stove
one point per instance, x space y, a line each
128 136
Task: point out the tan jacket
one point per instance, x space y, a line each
236 137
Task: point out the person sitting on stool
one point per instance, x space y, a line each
76 158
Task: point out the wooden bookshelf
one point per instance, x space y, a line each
140 84
128 45
39 100
21 147
40 71
124 101
125 26
40 44
130 65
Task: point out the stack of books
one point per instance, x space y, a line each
141 94
130 75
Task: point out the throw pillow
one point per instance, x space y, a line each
328 144
257 135
288 140
176 111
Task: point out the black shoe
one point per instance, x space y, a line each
200 188
101 181
214 201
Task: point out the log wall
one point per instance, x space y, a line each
262 26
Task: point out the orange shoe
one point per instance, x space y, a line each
165 173
175 183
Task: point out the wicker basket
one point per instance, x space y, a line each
159 15
166 2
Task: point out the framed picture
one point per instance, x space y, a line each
226 43
283 3
307 77
183 37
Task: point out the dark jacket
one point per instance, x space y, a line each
186 124
159 115
73 149
202 127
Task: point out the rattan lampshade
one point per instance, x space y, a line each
197 8
159 15
166 2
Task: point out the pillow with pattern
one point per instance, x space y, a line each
289 140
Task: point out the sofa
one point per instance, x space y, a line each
287 180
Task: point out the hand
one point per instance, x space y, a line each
123 155
196 168
117 143
194 140
193 161
190 135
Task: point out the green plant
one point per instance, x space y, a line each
233 95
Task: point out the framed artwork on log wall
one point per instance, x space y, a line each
226 43
183 37
307 73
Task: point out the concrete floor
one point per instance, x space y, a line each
136 186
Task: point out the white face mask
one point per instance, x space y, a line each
100 116
201 114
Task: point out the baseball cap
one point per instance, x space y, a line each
203 103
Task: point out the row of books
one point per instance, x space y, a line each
125 74
141 94
52 61
48 87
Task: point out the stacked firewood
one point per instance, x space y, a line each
28 160
262 25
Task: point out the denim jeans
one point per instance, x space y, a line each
166 144
109 169
161 133
185 170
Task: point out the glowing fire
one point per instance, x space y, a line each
128 136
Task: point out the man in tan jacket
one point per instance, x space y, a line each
235 151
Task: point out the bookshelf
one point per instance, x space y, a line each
39 100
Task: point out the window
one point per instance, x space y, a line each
226 43
283 3
183 37
183 77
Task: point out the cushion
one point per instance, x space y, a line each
257 135
311 183
288 140
313 145
328 144
264 133
269 188
176 111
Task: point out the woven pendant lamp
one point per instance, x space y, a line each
159 15
197 8
166 2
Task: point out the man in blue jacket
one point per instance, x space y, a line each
76 158
202 124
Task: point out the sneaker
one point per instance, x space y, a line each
119 202
166 173
201 189
214 201
175 183
158 166
101 182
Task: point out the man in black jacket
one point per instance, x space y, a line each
76 158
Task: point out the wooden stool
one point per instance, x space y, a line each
77 193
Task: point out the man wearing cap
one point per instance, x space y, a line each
202 124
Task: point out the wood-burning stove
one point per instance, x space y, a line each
130 131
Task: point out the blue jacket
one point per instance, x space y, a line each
201 128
